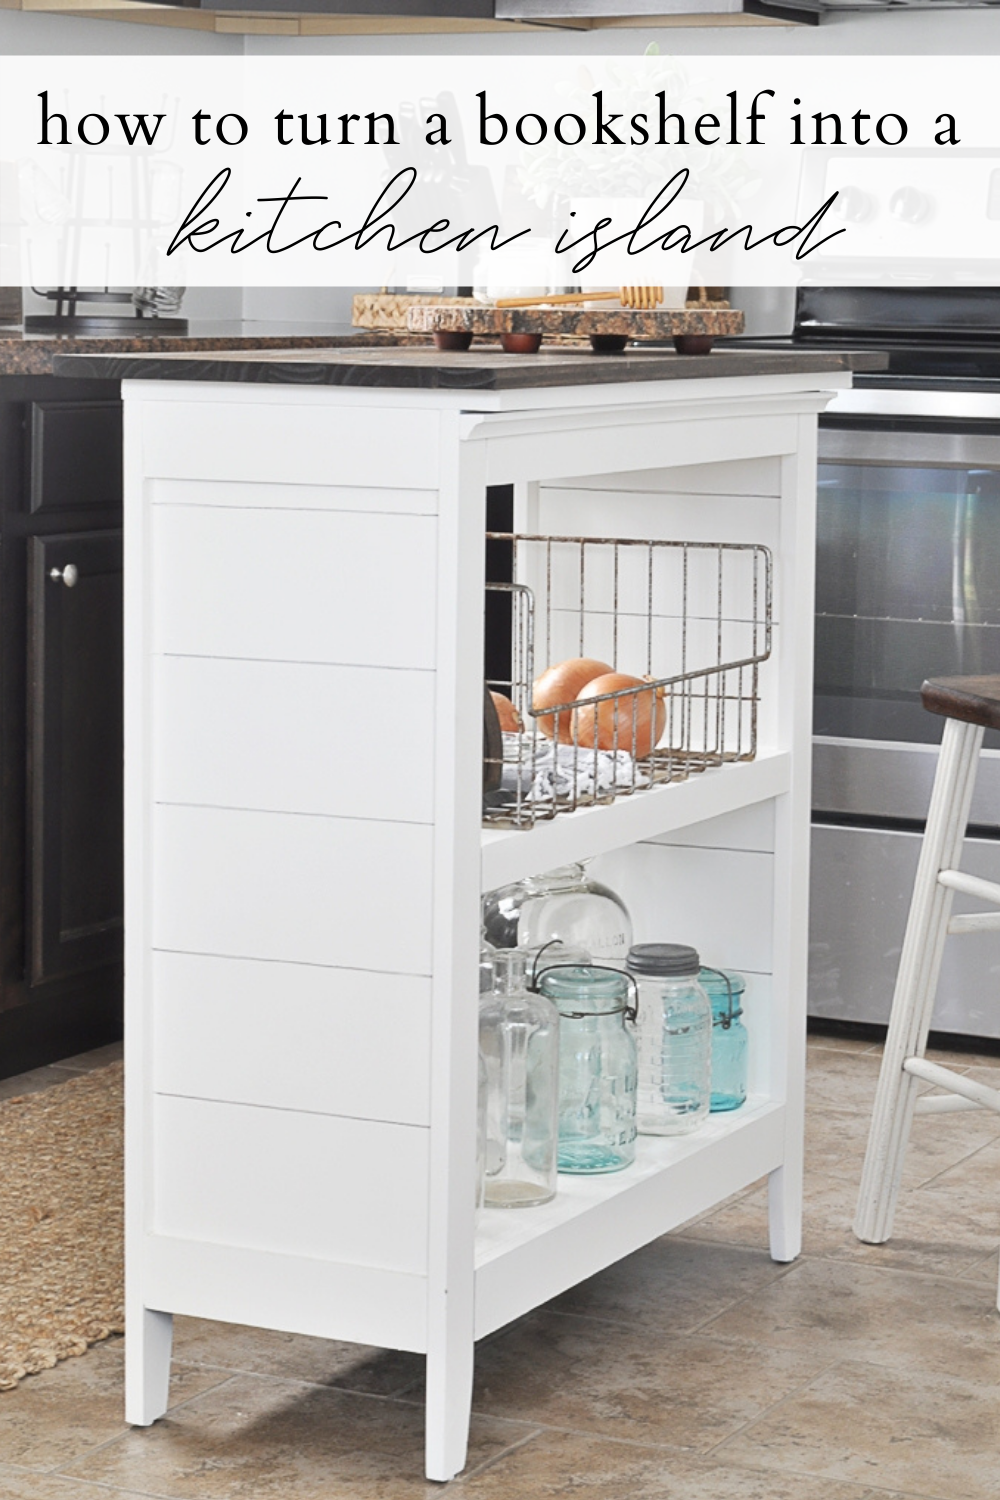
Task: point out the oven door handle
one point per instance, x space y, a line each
900 400
911 449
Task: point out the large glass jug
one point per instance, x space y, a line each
563 905
519 1043
597 1067
675 1038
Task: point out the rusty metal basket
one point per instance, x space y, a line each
692 619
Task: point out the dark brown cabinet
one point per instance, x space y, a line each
60 719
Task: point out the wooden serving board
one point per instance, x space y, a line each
609 329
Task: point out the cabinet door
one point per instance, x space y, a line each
74 753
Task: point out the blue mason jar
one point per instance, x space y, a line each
724 988
597 1067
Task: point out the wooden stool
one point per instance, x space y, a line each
971 705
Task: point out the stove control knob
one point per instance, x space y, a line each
853 205
910 205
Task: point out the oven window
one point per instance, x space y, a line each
907 587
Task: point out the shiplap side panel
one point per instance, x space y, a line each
292 1036
294 442
294 586
743 476
750 828
352 893
669 515
294 737
246 494
718 900
291 1182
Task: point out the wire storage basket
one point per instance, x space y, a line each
688 623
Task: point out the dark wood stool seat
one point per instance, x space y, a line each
975 700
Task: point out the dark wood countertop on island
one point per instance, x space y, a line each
404 365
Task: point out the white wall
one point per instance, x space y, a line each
26 34
939 33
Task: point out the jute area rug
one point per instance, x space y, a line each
60 1222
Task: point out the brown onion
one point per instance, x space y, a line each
632 723
510 719
561 684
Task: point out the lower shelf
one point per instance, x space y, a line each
525 1257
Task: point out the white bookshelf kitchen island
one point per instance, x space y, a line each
304 852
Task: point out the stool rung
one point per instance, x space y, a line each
943 1104
970 885
955 1083
975 921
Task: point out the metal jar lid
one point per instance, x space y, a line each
663 960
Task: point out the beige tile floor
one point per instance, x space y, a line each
695 1370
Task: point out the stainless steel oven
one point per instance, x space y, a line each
908 586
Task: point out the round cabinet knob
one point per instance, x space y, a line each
909 205
68 574
853 205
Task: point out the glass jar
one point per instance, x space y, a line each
519 1042
563 904
482 1111
486 953
675 1038
724 988
597 1067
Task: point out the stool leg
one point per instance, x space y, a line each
917 979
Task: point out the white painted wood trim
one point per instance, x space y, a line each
322 1298
455 1017
796 568
147 1360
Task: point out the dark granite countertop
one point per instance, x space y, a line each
43 354
391 363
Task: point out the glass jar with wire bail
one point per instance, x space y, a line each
724 988
675 1038
597 1066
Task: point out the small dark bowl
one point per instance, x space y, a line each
521 343
693 343
452 339
608 343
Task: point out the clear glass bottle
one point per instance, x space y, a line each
563 904
724 988
597 1067
675 1038
519 1042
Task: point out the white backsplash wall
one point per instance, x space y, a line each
27 34
938 33
308 305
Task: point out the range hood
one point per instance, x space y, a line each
402 17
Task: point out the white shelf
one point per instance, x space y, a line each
512 853
524 1257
